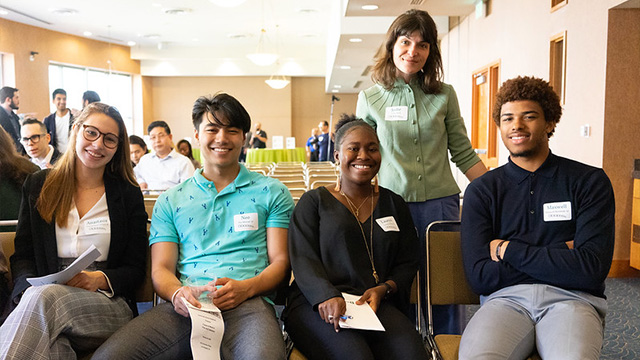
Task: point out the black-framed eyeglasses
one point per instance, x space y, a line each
33 138
91 133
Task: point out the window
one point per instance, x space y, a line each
557 4
114 88
558 63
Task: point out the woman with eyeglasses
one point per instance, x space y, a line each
90 197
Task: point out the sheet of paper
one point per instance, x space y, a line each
61 277
207 328
359 316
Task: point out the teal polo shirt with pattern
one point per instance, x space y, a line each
222 234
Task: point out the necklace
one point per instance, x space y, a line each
354 211
352 206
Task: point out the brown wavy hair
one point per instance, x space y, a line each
529 88
13 166
58 190
430 77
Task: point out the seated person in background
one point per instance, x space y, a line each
354 239
13 170
537 240
185 149
137 149
258 138
90 197
35 139
248 256
312 145
164 167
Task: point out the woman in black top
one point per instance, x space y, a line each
352 238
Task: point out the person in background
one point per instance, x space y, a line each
14 168
59 123
137 149
258 138
35 140
418 120
312 145
537 239
231 224
89 97
325 142
90 197
184 147
165 167
10 101
358 239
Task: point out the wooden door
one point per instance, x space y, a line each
484 132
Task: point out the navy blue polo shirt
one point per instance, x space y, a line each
538 212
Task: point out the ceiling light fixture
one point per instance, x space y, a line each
32 55
228 3
4 12
345 67
370 7
355 40
131 43
277 82
263 57
87 33
64 11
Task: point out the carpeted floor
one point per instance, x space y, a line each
622 327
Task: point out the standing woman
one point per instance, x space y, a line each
418 121
90 197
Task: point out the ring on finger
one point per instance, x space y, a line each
330 317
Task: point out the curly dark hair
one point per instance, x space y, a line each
348 123
529 88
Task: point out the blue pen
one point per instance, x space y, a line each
345 317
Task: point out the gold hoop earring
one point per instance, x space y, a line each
338 182
376 188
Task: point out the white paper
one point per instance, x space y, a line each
61 277
359 317
291 142
277 142
207 329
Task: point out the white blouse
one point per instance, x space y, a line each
79 234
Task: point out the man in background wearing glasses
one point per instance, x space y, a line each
35 139
164 167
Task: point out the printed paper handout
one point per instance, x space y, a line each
61 277
207 328
359 316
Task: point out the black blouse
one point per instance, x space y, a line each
328 253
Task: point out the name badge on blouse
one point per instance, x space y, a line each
101 225
245 222
557 211
396 113
388 224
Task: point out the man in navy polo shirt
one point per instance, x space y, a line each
225 223
537 240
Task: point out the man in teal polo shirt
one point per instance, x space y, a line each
226 223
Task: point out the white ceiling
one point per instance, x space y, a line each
311 37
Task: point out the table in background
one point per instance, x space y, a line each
276 155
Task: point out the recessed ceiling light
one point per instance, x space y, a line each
64 11
237 36
4 12
335 91
308 35
87 33
177 11
337 86
355 40
370 7
345 67
151 36
307 11
131 43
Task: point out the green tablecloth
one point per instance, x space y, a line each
276 155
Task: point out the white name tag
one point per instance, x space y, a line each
557 211
396 113
388 224
99 225
245 222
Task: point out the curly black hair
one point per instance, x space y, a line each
529 88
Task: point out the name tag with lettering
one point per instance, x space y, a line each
396 113
388 224
245 222
101 225
557 211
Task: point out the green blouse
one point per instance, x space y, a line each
416 132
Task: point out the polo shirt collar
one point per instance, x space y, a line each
547 169
243 179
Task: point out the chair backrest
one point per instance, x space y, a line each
446 281
8 248
149 203
318 183
288 177
294 184
297 192
145 292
